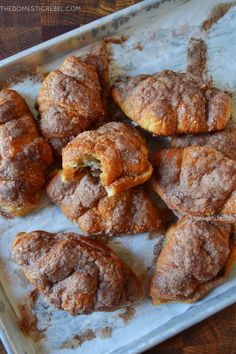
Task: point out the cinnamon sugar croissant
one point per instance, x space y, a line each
24 157
196 181
223 141
75 273
197 256
170 103
69 102
116 152
85 203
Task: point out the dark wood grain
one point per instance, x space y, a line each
20 30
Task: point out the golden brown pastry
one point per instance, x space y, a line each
24 157
115 152
223 141
85 203
75 273
170 103
197 256
99 57
197 181
69 102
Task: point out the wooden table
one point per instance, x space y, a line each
20 30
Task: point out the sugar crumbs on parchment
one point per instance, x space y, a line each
33 73
116 40
78 339
28 320
127 314
105 332
138 46
216 14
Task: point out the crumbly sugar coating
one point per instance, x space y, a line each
116 150
85 203
24 157
69 102
169 103
196 181
75 273
223 141
192 261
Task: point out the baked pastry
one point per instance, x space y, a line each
170 103
75 197
223 141
69 102
24 157
99 57
196 181
75 273
197 256
115 152
85 203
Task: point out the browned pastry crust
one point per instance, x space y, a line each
197 181
24 156
116 151
98 56
169 103
85 203
75 273
197 256
75 197
223 141
69 102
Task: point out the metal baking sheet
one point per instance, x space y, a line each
158 33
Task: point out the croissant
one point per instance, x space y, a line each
116 152
76 274
99 57
69 102
85 203
196 181
24 157
223 141
197 256
170 103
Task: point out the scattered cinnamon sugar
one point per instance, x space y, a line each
106 332
127 314
78 339
116 40
34 73
182 30
17 77
197 58
28 320
216 14
138 46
